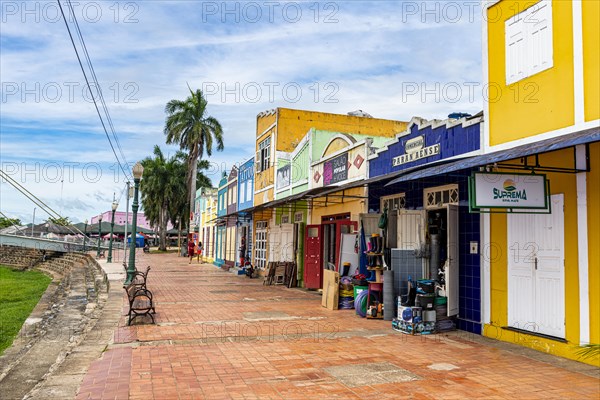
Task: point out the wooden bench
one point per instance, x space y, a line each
139 277
140 302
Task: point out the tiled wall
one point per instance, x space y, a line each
469 264
453 141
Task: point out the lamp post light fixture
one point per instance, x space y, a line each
85 234
33 221
137 170
112 226
99 234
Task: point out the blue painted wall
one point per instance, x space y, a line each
222 197
246 178
469 264
455 140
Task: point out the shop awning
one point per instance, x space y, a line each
543 146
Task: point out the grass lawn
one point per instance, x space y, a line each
20 291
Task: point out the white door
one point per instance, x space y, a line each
287 243
451 265
536 287
411 229
412 225
275 244
348 252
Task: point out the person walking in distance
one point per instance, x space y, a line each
199 251
191 246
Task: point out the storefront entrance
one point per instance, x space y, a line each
322 247
536 286
432 235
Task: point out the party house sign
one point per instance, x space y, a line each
509 191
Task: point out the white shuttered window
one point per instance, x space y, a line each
528 41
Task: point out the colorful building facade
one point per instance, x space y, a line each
279 132
430 225
542 285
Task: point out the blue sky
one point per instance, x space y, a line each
392 59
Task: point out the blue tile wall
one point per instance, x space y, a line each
453 141
469 230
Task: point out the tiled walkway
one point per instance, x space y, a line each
220 336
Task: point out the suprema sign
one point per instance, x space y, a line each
415 155
509 191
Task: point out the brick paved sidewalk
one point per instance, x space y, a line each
219 336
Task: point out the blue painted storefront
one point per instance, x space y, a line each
246 185
453 139
245 203
221 212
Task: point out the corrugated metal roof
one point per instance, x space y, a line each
543 146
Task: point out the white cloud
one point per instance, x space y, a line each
371 56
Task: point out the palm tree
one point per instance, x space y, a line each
188 125
164 190
160 187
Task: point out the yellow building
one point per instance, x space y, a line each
541 279
207 204
280 131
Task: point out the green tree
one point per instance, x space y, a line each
62 221
6 222
157 187
164 190
189 126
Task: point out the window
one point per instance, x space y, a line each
263 156
298 217
249 191
528 42
243 192
285 219
439 196
393 203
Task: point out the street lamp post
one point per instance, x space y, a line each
99 234
112 225
33 221
85 234
138 170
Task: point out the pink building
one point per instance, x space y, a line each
120 217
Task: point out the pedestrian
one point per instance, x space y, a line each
199 249
243 252
191 246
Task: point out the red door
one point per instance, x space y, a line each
312 257
344 226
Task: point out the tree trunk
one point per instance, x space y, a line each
193 175
162 230
179 238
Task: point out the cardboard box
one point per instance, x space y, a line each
331 289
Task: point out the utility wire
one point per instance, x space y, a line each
95 79
43 206
90 88
19 229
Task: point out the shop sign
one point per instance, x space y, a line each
283 176
491 190
414 151
335 170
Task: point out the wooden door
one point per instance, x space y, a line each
313 271
536 277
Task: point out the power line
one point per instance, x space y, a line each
90 88
95 79
36 200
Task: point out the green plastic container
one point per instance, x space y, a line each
440 300
358 289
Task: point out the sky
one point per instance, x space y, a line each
392 59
